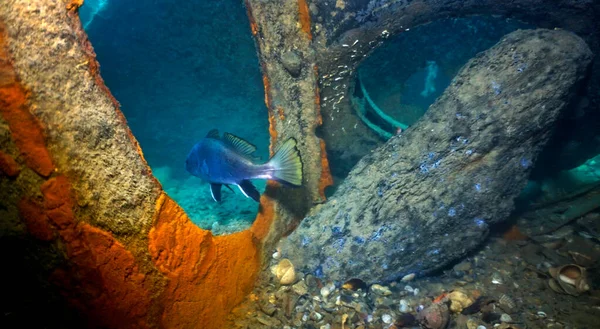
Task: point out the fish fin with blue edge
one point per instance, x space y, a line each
286 164
214 133
215 192
249 190
239 144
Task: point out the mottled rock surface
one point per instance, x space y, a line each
346 32
428 196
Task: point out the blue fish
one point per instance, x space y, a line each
228 161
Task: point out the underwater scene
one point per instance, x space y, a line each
318 164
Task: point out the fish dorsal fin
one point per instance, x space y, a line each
239 144
214 133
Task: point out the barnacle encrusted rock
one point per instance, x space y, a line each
428 196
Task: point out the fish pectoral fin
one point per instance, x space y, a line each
249 190
214 133
229 187
215 192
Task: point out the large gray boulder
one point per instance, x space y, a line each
428 196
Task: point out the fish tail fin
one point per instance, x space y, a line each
286 164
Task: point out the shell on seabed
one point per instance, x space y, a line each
570 279
507 302
285 272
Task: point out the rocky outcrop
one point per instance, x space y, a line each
345 32
82 219
429 195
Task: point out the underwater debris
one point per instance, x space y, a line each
569 279
361 110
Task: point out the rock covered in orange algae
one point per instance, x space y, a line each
8 165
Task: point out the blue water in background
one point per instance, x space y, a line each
395 74
179 69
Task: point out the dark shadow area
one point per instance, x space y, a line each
28 302
180 69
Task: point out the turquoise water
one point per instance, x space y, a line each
180 69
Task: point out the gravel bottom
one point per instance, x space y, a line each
503 285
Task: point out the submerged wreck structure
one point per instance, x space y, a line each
84 225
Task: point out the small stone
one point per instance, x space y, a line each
300 288
381 290
472 324
292 62
330 307
386 318
276 255
481 327
409 289
463 267
555 325
312 283
404 308
497 278
506 318
326 290
267 308
408 277
268 321
316 316
416 291
325 326
288 303
461 321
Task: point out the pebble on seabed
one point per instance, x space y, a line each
408 277
404 308
386 318
314 303
506 318
380 290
